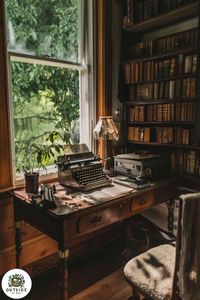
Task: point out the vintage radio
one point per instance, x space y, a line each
81 169
143 165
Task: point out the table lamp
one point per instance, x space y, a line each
107 130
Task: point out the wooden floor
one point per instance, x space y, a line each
112 287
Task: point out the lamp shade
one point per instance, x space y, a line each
106 128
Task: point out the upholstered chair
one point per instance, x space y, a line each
166 272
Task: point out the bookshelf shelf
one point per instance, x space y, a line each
174 16
189 147
160 56
160 101
159 123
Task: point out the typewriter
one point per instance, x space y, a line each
81 169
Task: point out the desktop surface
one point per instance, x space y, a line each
68 203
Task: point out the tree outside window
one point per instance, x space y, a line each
45 98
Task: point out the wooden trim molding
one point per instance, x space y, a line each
5 149
104 62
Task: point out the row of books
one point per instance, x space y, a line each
158 69
171 89
185 162
163 112
167 44
138 134
136 113
168 112
183 135
161 135
141 10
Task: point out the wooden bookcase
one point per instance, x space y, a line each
159 80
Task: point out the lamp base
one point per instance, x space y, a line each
108 165
110 172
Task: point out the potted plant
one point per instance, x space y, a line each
36 157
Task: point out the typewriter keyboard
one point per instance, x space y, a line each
91 176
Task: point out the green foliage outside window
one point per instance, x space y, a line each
43 28
44 98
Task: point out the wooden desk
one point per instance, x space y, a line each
70 227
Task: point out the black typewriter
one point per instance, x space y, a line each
81 169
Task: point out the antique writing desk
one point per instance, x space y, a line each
69 226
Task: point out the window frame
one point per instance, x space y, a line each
87 80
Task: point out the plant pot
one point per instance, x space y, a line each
32 182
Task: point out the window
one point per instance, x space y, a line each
48 50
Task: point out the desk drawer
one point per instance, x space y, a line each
99 219
160 194
142 202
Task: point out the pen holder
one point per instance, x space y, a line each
31 182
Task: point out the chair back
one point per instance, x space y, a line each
186 284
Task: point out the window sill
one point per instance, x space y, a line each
50 175
6 190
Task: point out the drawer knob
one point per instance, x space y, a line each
142 202
96 219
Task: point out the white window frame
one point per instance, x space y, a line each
86 66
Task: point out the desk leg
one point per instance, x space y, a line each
18 242
63 257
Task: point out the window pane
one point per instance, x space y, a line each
44 99
43 28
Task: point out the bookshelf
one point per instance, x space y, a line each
158 82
